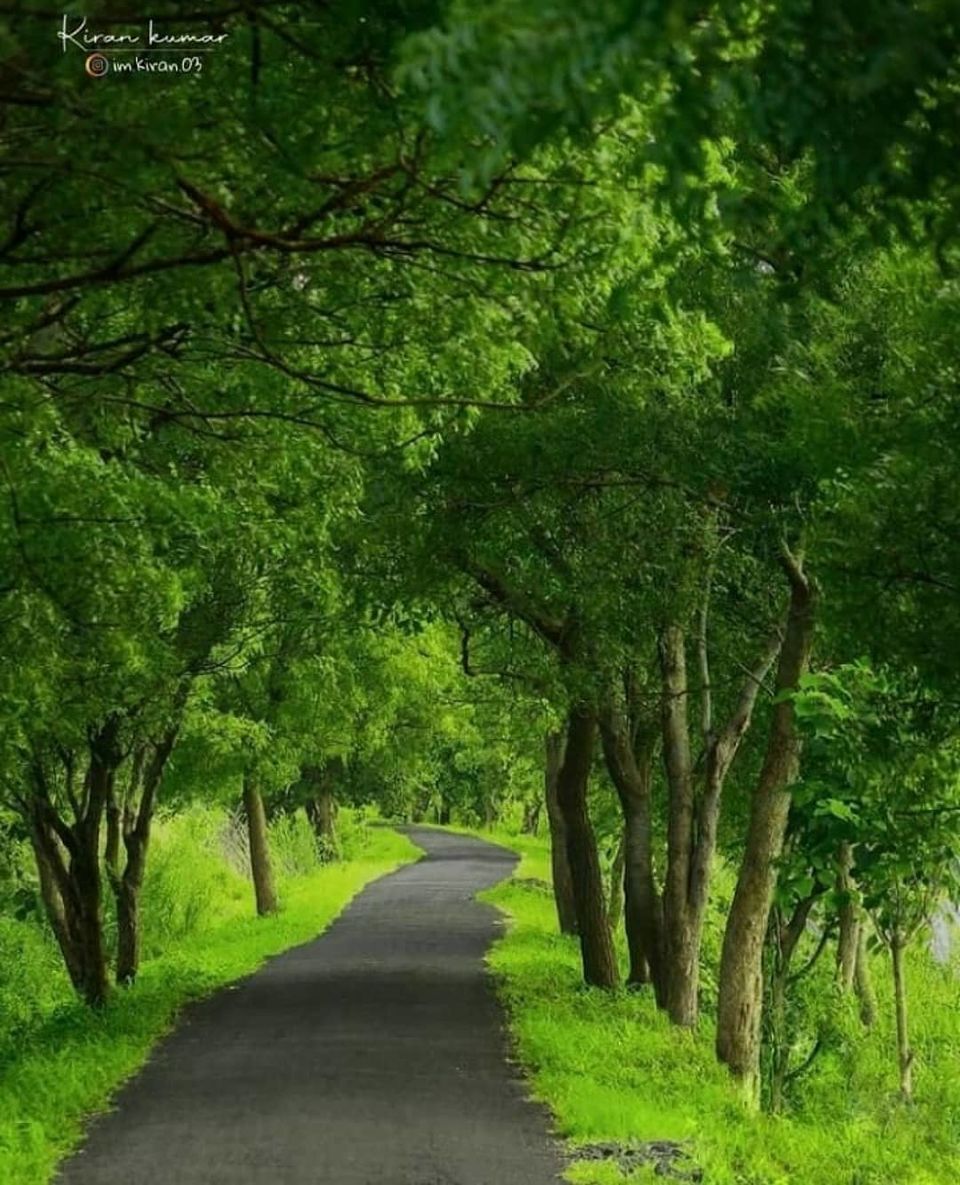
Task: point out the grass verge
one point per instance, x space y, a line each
69 1062
612 1069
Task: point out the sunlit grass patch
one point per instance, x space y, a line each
612 1068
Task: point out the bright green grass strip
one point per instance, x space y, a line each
611 1068
71 1065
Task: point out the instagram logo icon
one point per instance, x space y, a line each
96 65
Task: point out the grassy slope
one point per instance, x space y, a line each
611 1068
71 1062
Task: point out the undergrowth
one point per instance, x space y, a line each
60 1062
612 1069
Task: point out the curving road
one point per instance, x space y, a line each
374 1055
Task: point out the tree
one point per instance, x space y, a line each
740 995
861 104
892 745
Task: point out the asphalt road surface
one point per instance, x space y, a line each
374 1055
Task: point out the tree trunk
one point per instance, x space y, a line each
777 1024
327 820
126 891
321 807
784 937
694 810
71 890
55 910
322 813
133 823
631 771
105 757
849 918
596 945
128 934
125 882
680 971
68 860
863 980
741 964
86 872
642 915
562 880
260 867
615 900
904 1052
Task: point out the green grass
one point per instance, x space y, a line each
611 1068
59 1062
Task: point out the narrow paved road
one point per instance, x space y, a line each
374 1055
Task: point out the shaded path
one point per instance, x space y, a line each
371 1056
